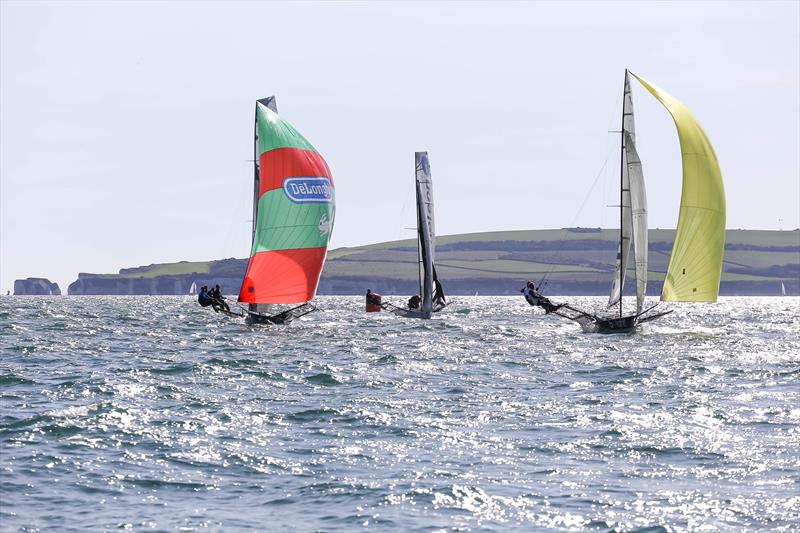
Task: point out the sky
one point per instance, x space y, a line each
126 129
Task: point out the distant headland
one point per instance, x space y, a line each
575 261
36 286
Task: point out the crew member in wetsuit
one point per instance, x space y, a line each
530 293
438 295
204 299
534 297
414 302
372 298
373 303
218 299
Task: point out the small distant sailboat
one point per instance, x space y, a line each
783 289
193 288
695 264
431 290
293 214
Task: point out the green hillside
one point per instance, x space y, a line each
564 252
573 260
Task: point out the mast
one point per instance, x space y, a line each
419 239
255 175
252 306
621 191
272 104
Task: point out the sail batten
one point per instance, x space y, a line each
695 265
294 211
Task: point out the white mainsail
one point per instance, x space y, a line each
638 198
629 128
425 228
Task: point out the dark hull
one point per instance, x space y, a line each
285 317
591 323
256 318
625 324
409 313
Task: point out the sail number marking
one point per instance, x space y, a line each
308 189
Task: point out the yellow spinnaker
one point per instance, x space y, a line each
695 265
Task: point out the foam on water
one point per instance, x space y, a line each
149 412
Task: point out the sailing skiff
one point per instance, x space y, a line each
293 214
431 291
695 264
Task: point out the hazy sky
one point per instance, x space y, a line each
125 128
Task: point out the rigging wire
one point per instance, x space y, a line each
402 224
612 116
550 270
225 245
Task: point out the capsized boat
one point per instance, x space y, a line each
695 264
432 293
293 214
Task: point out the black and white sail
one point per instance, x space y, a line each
426 230
431 297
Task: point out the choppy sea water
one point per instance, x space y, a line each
152 413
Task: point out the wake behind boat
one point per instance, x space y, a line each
695 264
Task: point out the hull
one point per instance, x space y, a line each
625 324
409 313
285 317
591 323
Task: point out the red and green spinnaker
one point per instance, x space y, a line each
294 215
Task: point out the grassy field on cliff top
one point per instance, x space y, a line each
576 254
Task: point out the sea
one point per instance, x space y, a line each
153 414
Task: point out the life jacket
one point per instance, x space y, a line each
373 304
530 296
204 299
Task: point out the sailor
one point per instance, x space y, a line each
204 298
371 297
373 304
413 302
218 299
534 297
438 294
530 293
